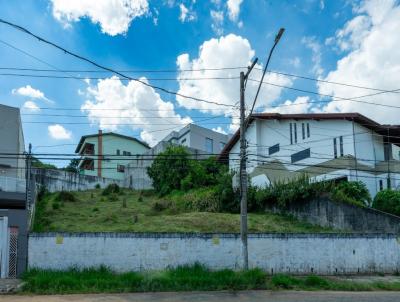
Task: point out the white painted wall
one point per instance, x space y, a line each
359 142
294 253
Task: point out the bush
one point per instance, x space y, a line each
64 196
56 205
388 201
160 205
112 197
97 186
110 189
355 190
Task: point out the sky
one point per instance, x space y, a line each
185 46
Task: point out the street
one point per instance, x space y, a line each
243 296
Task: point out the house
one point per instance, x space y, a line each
200 142
325 146
107 154
14 208
199 138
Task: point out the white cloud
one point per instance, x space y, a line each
217 21
31 92
219 130
186 14
295 62
31 106
114 16
373 60
233 9
300 105
58 132
227 51
315 47
136 104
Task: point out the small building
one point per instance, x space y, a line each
200 143
14 208
107 154
325 146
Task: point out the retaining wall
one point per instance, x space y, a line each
274 253
58 180
343 216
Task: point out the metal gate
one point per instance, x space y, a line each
4 246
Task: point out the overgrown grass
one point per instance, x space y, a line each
135 211
185 278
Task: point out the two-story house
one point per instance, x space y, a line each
107 154
322 145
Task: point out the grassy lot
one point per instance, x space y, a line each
187 278
132 211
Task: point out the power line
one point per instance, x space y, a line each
195 70
24 30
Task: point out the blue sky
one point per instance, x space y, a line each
343 41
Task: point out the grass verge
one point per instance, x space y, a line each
185 278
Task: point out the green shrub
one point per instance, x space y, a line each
65 196
316 282
112 197
110 189
56 205
95 209
203 200
97 186
355 190
284 281
160 205
388 201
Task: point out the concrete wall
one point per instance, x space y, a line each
274 253
57 180
344 216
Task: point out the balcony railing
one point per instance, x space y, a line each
11 184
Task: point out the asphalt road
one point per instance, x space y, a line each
244 296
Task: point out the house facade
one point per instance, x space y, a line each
325 146
199 138
107 154
14 208
199 142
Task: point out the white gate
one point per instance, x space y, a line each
4 246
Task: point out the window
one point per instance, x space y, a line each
380 185
388 183
183 141
273 149
124 153
295 133
334 148
341 145
221 145
121 168
118 152
300 155
209 145
303 131
308 130
291 134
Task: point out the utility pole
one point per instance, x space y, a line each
243 169
244 122
28 176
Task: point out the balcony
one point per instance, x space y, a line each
88 149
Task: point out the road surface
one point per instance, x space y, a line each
243 296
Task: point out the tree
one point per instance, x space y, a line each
73 166
36 163
169 168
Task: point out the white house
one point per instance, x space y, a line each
322 145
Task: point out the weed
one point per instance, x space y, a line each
95 209
56 205
65 196
97 186
110 189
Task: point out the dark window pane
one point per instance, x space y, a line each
308 130
303 131
300 155
273 149
341 145
334 148
295 133
291 134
